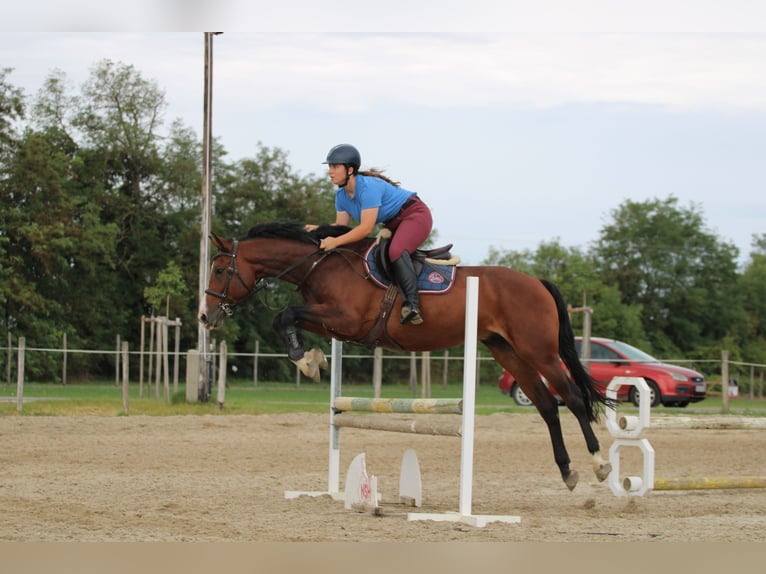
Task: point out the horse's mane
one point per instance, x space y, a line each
295 231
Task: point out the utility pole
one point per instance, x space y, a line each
205 375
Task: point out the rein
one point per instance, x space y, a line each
227 305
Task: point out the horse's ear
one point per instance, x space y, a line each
217 241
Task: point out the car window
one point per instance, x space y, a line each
599 352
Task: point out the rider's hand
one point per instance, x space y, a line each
310 227
329 243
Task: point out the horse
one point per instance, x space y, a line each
522 320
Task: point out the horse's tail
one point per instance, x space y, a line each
592 397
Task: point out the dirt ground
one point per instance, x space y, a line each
223 478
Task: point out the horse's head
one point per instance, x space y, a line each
226 286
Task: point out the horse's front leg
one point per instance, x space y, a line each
309 362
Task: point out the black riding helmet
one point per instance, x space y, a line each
345 154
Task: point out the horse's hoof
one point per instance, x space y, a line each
317 356
571 480
603 472
308 368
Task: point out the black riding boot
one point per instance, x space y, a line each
407 280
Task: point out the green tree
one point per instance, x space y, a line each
662 258
168 291
753 288
12 110
575 273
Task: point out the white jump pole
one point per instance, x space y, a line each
336 372
464 513
333 469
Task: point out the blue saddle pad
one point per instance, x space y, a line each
433 278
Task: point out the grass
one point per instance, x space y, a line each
105 399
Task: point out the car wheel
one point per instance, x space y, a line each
519 397
654 394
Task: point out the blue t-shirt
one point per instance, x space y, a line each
372 192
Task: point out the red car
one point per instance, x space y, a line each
670 385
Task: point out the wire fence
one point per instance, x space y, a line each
146 366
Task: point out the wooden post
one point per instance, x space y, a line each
255 363
20 376
149 371
222 362
10 358
125 372
752 382
117 364
176 354
446 369
141 358
425 375
63 366
377 373
725 381
157 363
414 374
165 359
192 376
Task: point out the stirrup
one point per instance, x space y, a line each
410 316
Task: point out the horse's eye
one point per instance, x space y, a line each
219 271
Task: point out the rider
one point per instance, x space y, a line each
369 197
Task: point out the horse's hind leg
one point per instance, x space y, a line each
544 401
572 397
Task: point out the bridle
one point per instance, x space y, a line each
227 304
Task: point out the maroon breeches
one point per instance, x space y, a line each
410 229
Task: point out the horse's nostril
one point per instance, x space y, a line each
203 318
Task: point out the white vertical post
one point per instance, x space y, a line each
336 372
469 395
464 514
333 467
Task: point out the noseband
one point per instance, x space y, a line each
225 303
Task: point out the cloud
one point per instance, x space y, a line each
356 72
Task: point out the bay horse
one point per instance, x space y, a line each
522 320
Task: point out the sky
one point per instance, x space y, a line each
517 127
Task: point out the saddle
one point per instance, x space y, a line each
436 270
438 256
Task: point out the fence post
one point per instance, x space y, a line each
165 360
63 366
176 354
192 375
10 358
425 375
222 366
20 376
725 381
125 371
377 373
255 364
142 342
117 363
446 365
752 382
